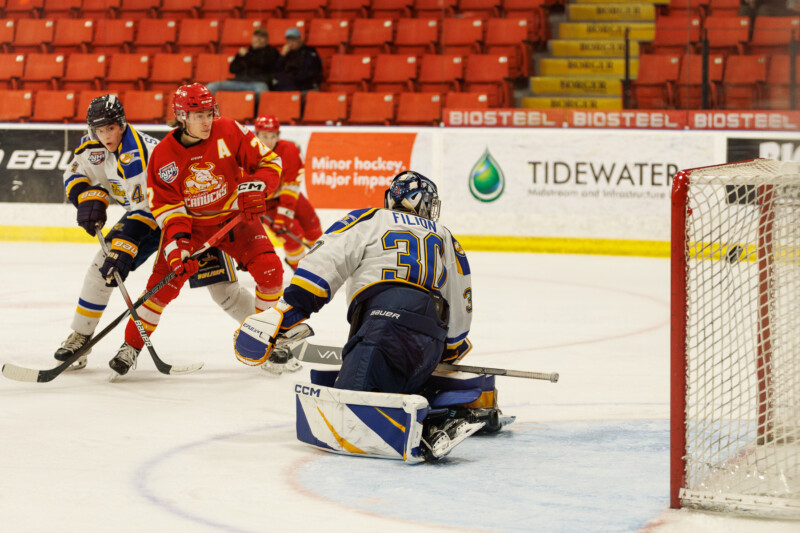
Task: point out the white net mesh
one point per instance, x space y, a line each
743 339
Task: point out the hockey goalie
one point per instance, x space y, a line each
410 305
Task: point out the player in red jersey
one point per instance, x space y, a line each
192 180
289 209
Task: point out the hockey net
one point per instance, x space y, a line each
735 339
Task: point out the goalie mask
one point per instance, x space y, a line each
105 110
413 193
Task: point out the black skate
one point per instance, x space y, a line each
74 342
124 361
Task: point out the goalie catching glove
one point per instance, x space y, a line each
261 333
119 259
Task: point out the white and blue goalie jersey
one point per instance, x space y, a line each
372 247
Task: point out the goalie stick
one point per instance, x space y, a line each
19 373
332 355
162 367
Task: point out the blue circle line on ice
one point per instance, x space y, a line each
141 478
567 478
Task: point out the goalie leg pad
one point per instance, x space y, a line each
366 424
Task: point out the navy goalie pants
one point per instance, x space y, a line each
397 345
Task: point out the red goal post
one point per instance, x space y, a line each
735 338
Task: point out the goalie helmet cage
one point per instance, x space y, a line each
735 339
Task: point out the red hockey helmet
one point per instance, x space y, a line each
194 97
268 123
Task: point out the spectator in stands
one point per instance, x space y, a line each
254 67
299 67
770 8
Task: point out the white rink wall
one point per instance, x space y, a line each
534 183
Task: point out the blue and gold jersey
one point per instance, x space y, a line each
121 173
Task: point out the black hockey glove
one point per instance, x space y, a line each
119 259
92 204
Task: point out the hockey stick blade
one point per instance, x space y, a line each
19 373
332 355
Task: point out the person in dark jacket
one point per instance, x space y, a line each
254 67
299 66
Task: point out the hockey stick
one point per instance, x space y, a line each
162 367
288 233
332 355
19 373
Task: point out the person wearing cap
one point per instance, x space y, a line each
253 67
299 65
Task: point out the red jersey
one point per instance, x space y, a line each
197 185
292 175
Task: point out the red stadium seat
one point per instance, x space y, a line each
480 8
53 106
467 100
347 9
196 36
144 106
100 9
535 12
509 37
7 27
155 35
654 88
213 67
286 105
180 9
276 28
58 9
12 67
675 34
743 82
688 8
33 35
127 72
440 73
489 73
419 108
169 71
371 108
15 105
394 73
84 71
727 35
689 85
372 36
43 71
417 36
236 33
777 93
725 8
349 73
305 9
72 35
23 9
264 9
138 9
112 36
325 108
393 9
328 36
224 9
462 36
772 35
435 8
238 105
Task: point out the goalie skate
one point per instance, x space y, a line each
280 361
441 440
75 341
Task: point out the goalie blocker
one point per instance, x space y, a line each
396 426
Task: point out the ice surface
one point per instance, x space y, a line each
215 450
